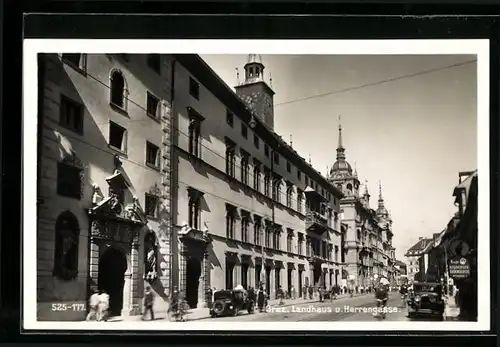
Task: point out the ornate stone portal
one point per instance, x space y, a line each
194 248
117 226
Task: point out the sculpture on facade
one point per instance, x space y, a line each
150 257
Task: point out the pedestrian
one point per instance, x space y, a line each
93 302
261 298
280 295
311 292
294 295
304 292
148 303
102 306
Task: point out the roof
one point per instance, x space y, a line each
209 78
421 247
399 263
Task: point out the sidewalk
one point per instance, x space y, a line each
204 313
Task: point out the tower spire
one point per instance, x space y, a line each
340 147
380 198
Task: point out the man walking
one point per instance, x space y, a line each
148 303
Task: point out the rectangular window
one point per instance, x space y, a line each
299 175
230 221
308 247
268 237
289 240
276 158
288 167
276 239
277 190
194 89
194 212
71 115
256 141
76 60
266 151
153 104
117 137
267 184
152 155
229 118
244 131
299 201
230 159
256 176
194 137
289 192
69 181
244 229
300 243
257 231
151 204
244 168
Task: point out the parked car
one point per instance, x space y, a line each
230 302
426 300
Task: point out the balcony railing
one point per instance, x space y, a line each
316 222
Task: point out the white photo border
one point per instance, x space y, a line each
31 47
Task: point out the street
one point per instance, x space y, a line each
345 309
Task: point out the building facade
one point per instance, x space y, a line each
368 239
248 209
417 259
103 179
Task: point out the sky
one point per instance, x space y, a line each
413 134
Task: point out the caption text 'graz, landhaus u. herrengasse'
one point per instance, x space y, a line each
152 171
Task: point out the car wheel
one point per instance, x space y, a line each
219 307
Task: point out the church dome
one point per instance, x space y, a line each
341 165
382 211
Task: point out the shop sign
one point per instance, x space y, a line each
459 268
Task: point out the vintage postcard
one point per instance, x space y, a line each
286 185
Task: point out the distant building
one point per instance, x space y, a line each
417 259
368 238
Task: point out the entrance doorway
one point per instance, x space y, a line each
111 278
244 275
258 280
277 282
331 279
193 273
229 274
289 280
268 280
317 274
300 283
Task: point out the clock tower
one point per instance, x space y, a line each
255 92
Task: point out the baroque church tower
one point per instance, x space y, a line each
256 92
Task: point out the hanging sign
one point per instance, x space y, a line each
459 268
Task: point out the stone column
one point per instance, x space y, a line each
135 280
236 274
206 279
182 268
251 276
93 264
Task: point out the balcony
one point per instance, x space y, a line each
316 222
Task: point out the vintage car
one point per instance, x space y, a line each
230 302
426 300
